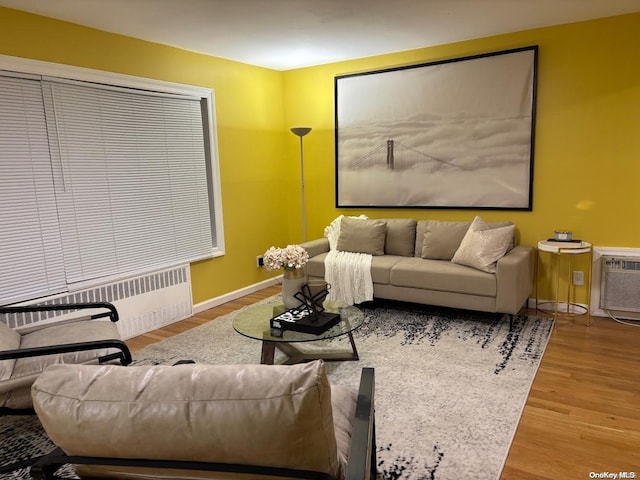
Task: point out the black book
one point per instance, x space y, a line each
304 320
563 241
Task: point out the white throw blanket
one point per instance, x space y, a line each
349 275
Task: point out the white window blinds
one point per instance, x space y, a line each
31 253
100 182
131 179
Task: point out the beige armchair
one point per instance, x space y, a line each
82 339
205 421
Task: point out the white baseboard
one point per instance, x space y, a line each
227 297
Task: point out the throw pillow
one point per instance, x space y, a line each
482 225
442 239
362 236
332 231
482 247
401 234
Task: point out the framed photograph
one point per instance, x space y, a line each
456 133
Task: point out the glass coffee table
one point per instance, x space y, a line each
254 323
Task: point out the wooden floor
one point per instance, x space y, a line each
583 411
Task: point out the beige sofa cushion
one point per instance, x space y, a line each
362 236
65 333
9 340
482 245
381 267
401 237
16 392
245 414
441 239
442 276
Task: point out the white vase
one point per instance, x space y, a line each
292 282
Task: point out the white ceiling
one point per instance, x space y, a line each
286 34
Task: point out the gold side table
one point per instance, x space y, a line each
565 254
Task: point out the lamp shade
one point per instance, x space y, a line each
300 131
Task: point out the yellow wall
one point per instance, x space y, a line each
250 123
587 150
587 153
587 156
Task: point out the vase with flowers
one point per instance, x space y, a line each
292 259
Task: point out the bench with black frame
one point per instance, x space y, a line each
361 462
80 333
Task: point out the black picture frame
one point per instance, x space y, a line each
450 134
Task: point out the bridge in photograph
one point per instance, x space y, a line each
397 156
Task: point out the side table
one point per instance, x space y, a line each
568 252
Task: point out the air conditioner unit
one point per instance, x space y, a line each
620 284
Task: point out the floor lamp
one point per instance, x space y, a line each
301 132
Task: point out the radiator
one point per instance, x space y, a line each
620 284
144 302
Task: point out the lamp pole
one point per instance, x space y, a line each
301 132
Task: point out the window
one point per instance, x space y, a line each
101 181
31 254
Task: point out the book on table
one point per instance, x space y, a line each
551 242
305 320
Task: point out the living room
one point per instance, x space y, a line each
586 150
585 126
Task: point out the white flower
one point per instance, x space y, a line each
289 258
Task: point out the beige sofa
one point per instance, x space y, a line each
464 265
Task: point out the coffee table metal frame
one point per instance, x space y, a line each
254 323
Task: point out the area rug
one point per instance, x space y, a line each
450 385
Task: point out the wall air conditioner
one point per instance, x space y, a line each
620 284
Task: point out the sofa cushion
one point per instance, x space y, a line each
381 267
9 340
272 415
401 237
362 236
443 276
483 246
61 334
441 239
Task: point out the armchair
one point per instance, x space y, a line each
206 421
23 356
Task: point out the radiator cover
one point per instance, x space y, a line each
144 303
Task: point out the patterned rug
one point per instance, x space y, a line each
450 384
